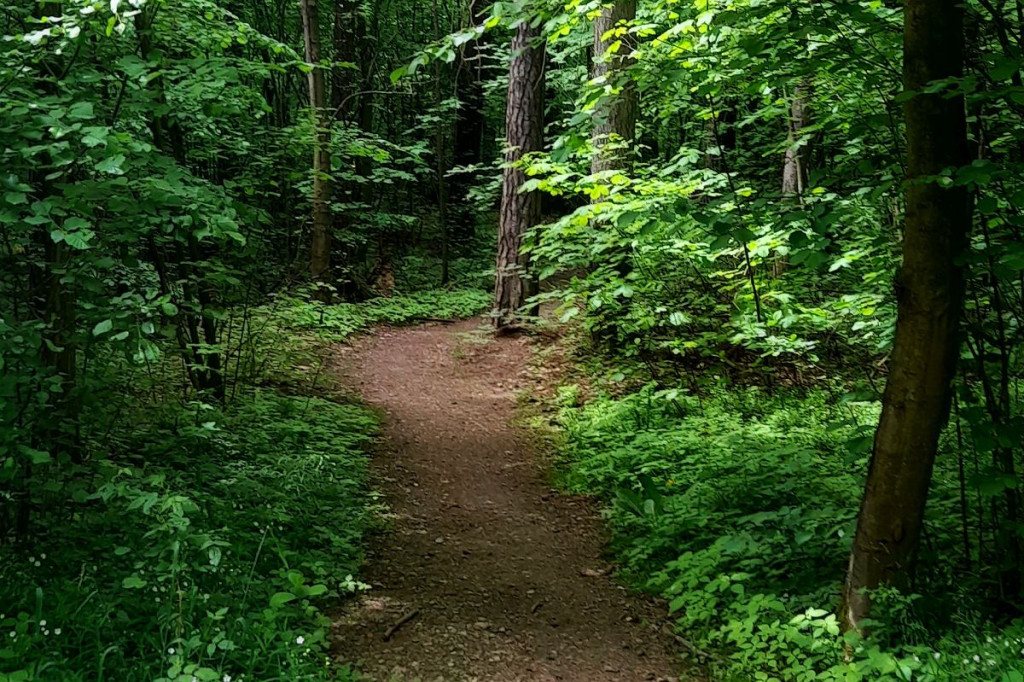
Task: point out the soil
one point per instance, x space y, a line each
484 574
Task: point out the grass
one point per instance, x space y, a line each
200 541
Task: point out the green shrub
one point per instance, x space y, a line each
738 508
210 561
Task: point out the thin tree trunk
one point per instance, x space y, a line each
524 133
205 365
930 290
794 165
794 168
469 130
320 250
617 111
441 160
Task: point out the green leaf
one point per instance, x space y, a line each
78 240
133 582
35 456
280 599
1003 69
102 328
81 111
111 165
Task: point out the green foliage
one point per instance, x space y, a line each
337 322
738 508
211 561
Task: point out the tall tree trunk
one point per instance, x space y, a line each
469 130
320 250
441 159
930 289
524 133
794 165
346 82
367 57
203 365
617 111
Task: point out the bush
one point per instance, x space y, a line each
738 508
211 559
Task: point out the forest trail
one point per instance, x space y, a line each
505 578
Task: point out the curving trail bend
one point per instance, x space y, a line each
498 578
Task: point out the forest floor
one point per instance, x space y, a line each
485 573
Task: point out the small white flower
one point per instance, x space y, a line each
300 639
977 658
56 631
13 634
937 655
42 623
171 651
226 678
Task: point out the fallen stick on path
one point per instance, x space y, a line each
399 623
420 318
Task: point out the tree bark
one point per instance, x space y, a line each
469 130
320 250
524 133
203 366
930 290
794 167
617 110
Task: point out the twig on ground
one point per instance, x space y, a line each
399 623
418 318
667 629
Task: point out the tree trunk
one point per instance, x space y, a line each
441 160
794 167
469 131
203 365
346 82
320 250
524 133
930 289
617 111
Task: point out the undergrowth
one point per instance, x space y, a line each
200 541
738 508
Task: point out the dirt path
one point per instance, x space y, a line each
506 578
